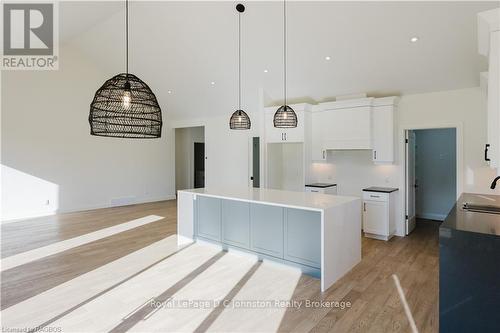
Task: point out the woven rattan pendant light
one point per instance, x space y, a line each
285 117
125 107
239 119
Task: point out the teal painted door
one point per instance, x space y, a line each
266 229
303 237
208 217
236 223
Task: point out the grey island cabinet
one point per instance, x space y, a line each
320 234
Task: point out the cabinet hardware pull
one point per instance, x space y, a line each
374 154
375 196
285 136
323 154
486 158
364 206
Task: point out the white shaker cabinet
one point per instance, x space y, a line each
318 152
493 153
379 213
345 124
330 189
284 135
489 46
363 123
383 131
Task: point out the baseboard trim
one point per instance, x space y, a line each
26 217
83 209
431 216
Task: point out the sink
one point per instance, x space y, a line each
490 209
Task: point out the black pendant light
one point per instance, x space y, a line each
285 117
239 119
125 107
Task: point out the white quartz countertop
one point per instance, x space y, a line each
291 199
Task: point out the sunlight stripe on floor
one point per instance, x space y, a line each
45 251
405 304
43 307
109 310
271 284
204 293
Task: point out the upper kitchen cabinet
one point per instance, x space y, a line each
489 46
355 124
318 151
344 124
383 136
286 135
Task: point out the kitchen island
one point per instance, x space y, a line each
318 233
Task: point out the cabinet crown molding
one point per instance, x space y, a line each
392 100
354 103
487 22
299 107
343 104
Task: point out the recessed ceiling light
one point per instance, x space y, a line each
328 58
169 91
266 71
212 83
414 39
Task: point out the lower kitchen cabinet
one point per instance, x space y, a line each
208 218
379 214
236 223
288 234
325 190
375 217
266 229
302 232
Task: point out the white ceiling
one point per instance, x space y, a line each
183 46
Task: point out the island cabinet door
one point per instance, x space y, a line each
236 223
303 237
266 229
208 218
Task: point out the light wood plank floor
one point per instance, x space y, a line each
370 287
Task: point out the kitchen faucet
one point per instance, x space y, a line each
494 183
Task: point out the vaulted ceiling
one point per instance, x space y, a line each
180 48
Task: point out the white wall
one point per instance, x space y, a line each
228 152
48 153
436 172
184 155
464 108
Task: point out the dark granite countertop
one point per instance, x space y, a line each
380 189
462 220
320 185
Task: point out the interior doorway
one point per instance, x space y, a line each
255 161
431 174
189 157
199 164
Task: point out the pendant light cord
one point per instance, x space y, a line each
239 61
126 35
284 53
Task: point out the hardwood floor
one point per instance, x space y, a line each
105 285
27 280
